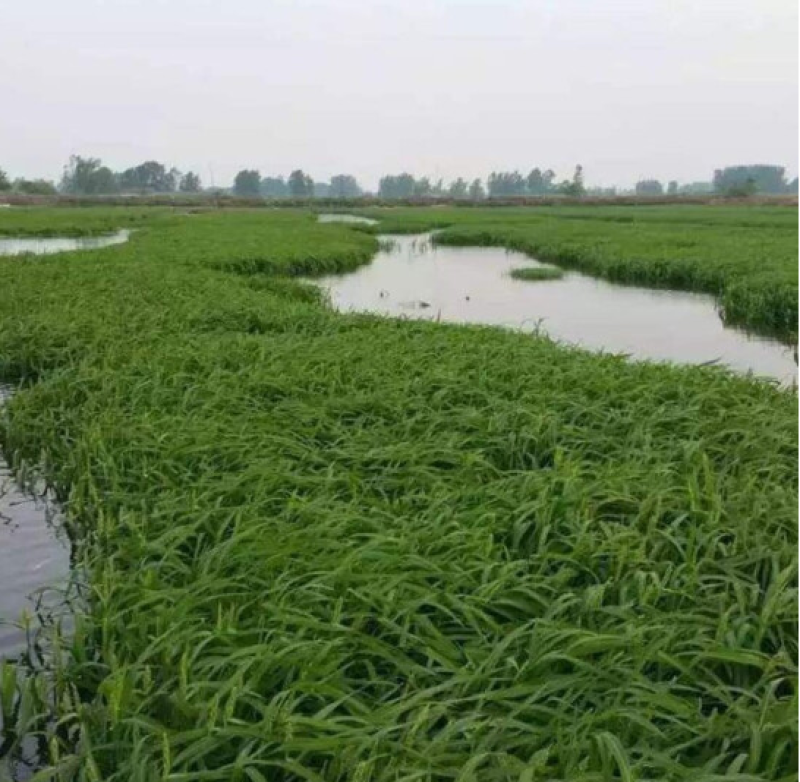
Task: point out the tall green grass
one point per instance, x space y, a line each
72 221
328 547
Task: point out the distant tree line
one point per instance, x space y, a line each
731 181
405 186
654 187
26 186
537 183
748 180
500 184
88 176
249 183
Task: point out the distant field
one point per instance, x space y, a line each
213 201
338 547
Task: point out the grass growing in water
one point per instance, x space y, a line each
329 547
534 273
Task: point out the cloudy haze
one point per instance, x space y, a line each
662 88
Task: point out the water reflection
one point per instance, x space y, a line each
34 555
35 572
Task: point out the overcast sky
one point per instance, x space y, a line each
630 89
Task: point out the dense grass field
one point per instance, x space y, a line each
336 547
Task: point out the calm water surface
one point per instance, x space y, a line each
39 245
34 573
417 279
34 557
343 218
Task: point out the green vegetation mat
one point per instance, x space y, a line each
534 273
337 547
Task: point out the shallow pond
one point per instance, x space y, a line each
412 277
34 557
35 572
41 245
345 218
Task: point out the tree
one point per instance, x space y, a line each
5 182
105 181
247 183
765 179
476 191
274 187
540 182
344 186
300 185
34 187
321 190
506 184
649 187
88 176
149 177
78 174
741 189
422 188
575 186
394 187
535 182
439 190
458 189
578 186
190 183
672 187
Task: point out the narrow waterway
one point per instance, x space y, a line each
346 218
41 245
413 277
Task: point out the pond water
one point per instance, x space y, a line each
344 218
35 570
412 277
34 556
41 245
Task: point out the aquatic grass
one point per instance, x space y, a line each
535 273
335 547
73 221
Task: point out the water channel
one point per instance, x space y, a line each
412 276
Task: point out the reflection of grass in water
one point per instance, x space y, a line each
327 546
533 273
422 246
386 245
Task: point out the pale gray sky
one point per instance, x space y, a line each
628 88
